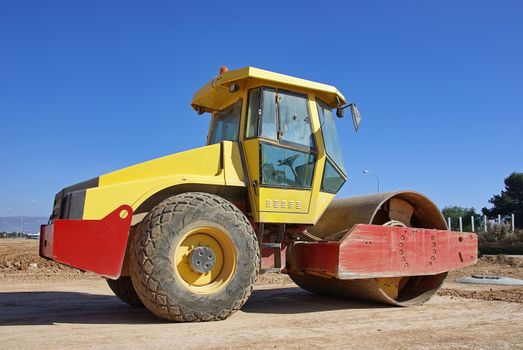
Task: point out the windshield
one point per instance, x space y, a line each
295 125
330 136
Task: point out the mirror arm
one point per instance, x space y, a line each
345 106
339 110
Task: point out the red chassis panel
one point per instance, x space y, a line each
368 251
92 245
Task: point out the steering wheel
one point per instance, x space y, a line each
288 161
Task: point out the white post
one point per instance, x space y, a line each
472 223
513 224
499 219
449 222
485 223
460 224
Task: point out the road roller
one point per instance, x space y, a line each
186 235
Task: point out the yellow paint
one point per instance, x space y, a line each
316 209
135 184
312 203
216 96
252 153
233 167
222 271
284 200
200 161
392 285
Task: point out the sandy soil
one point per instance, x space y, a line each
46 306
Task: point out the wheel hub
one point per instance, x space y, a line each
202 259
190 266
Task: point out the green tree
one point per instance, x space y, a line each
456 212
510 201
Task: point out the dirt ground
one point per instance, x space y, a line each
48 306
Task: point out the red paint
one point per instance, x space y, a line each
267 257
379 251
92 245
240 205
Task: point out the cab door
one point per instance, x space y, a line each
281 153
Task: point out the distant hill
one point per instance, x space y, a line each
31 223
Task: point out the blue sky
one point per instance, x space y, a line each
87 87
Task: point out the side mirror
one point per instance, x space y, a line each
356 116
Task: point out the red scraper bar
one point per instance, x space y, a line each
368 251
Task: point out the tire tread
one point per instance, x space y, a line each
145 242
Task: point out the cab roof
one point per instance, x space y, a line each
217 94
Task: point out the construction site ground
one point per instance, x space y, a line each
44 305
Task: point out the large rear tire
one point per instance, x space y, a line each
123 288
194 257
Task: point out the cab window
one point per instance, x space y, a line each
253 113
269 121
286 167
225 124
281 116
294 119
334 173
332 179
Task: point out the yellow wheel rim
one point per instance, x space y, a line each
392 285
223 268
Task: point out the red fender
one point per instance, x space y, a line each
91 245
